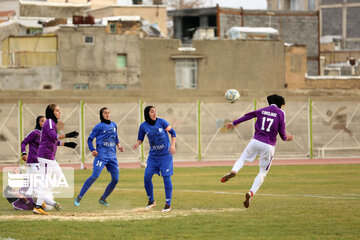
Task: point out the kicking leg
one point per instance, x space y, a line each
237 166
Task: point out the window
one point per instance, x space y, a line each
311 5
112 27
186 73
115 86
89 40
81 86
121 60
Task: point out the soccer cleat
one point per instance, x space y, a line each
40 211
248 197
103 202
167 208
57 206
77 201
150 205
226 177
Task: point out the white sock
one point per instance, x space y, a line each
238 165
258 181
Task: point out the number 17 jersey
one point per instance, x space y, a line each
270 121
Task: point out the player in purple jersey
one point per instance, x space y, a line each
46 154
33 140
19 198
270 121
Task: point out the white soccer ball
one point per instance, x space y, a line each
232 95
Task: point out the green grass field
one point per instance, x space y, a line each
295 202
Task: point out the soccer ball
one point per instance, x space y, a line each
232 95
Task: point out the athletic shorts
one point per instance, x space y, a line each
160 164
110 163
263 150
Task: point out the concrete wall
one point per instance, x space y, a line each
295 67
153 14
223 64
180 108
30 78
96 64
299 28
340 56
55 10
333 82
11 29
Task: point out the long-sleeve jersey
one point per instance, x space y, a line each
33 139
48 140
106 140
270 121
157 135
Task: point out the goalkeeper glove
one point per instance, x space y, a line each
73 134
70 144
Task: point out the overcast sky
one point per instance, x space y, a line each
246 4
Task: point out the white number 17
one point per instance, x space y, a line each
270 120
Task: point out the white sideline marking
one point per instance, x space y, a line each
348 196
342 196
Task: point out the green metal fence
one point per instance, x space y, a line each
321 129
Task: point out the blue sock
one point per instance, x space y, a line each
168 189
149 186
112 184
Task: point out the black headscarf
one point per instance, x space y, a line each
49 112
102 117
147 115
37 126
276 99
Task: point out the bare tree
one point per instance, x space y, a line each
182 4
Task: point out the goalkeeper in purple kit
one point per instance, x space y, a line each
270 121
49 141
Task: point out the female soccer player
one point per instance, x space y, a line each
33 139
46 154
107 140
270 121
160 158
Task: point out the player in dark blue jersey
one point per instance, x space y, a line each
160 159
107 140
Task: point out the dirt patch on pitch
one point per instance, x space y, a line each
123 215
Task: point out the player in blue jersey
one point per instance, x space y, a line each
160 159
269 123
107 140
